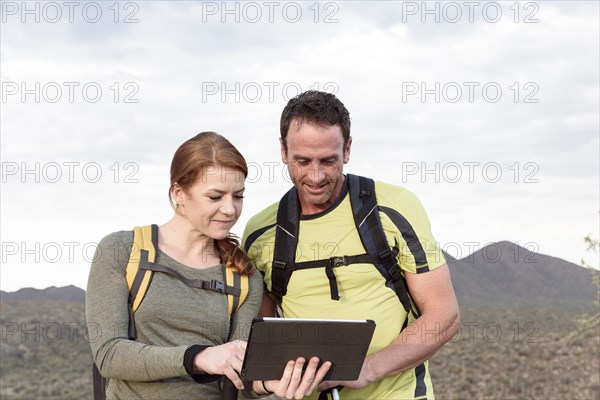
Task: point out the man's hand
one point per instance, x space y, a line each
296 385
364 379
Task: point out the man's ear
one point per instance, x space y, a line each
283 151
347 150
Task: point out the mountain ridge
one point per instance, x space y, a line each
500 274
506 274
66 293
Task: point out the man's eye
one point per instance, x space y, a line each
239 196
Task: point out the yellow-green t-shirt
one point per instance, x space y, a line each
362 290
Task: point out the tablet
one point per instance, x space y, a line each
275 341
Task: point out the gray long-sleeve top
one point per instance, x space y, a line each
171 318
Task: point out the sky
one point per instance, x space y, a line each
487 111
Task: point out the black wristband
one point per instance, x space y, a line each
265 388
188 363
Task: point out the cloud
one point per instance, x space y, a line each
183 69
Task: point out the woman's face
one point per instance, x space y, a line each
213 204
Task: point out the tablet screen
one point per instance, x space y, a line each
275 341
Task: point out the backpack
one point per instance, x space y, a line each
138 274
368 224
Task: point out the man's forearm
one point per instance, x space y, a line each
417 343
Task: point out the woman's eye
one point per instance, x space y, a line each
239 197
215 198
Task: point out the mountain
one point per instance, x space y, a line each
519 333
500 274
67 293
504 274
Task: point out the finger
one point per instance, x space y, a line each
241 344
320 374
295 379
235 378
285 379
239 354
236 364
308 378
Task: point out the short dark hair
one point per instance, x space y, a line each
315 107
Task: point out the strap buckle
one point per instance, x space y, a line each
390 263
279 265
217 286
338 261
395 272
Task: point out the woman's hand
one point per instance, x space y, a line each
225 359
293 383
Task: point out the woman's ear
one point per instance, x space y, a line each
177 193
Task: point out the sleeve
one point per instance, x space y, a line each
242 320
258 241
407 222
107 319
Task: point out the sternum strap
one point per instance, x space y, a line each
215 285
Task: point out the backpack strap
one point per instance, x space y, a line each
240 284
139 272
141 266
284 254
99 384
368 223
286 241
372 236
143 252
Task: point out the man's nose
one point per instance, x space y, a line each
316 173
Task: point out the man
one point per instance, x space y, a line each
315 144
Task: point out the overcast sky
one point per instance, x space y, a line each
488 111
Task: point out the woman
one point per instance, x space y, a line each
181 338
175 323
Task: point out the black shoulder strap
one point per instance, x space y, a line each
368 224
286 241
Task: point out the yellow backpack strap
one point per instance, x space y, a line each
143 250
234 279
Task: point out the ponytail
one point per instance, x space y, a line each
234 256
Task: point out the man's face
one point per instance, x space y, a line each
315 158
